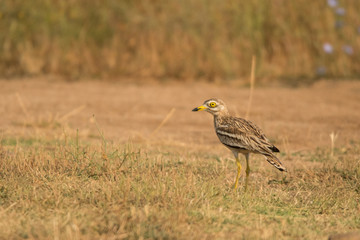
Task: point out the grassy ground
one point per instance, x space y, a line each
66 175
73 190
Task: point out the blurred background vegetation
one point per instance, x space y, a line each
187 39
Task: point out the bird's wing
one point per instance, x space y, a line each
240 133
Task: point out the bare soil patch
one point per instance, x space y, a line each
295 119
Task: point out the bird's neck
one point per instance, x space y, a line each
219 116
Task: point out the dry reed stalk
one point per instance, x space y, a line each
333 137
22 105
167 117
252 83
4 210
103 143
72 113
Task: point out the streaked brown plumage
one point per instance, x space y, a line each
240 135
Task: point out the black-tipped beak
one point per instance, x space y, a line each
199 108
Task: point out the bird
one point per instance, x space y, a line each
240 136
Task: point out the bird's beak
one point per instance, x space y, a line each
199 108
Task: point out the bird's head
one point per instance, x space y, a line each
214 106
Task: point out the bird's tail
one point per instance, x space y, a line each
273 160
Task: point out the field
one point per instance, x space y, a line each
107 160
98 140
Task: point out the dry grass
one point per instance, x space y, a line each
184 40
64 175
72 190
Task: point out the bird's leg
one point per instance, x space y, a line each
238 172
247 171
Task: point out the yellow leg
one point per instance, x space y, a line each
247 171
238 173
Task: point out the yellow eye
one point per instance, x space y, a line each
212 104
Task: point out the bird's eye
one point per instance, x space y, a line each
212 104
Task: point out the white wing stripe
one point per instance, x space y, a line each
228 134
